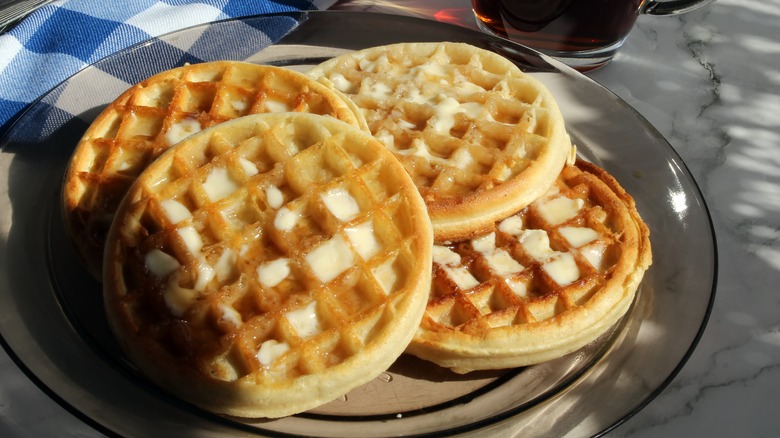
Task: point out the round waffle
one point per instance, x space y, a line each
268 264
160 111
480 138
542 283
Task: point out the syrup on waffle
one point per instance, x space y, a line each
162 110
480 138
542 283
269 264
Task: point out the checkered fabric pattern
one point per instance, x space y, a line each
65 36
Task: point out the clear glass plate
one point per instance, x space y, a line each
53 324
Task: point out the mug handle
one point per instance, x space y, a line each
673 7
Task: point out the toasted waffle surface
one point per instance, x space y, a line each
162 110
542 283
480 138
268 264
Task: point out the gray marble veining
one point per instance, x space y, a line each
710 82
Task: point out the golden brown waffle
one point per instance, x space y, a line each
480 138
268 265
544 282
158 112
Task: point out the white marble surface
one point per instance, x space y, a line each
710 82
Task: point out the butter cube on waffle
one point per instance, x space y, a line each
540 284
268 265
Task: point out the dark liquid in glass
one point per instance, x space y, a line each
559 25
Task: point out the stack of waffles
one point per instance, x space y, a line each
269 240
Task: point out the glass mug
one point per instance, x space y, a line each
584 34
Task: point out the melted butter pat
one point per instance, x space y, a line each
414 95
484 244
406 124
191 239
249 167
218 184
363 239
377 90
419 148
560 209
272 273
428 70
445 256
274 197
444 118
229 315
518 287
450 261
330 259
464 87
562 269
504 173
386 138
226 264
367 65
536 243
370 66
238 105
181 130
502 263
175 211
471 109
512 225
270 350
206 273
304 320
177 298
578 236
462 158
386 276
594 254
340 82
285 219
275 106
341 204
160 264
461 276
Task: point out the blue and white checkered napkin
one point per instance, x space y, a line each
61 38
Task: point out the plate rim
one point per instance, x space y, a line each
301 17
